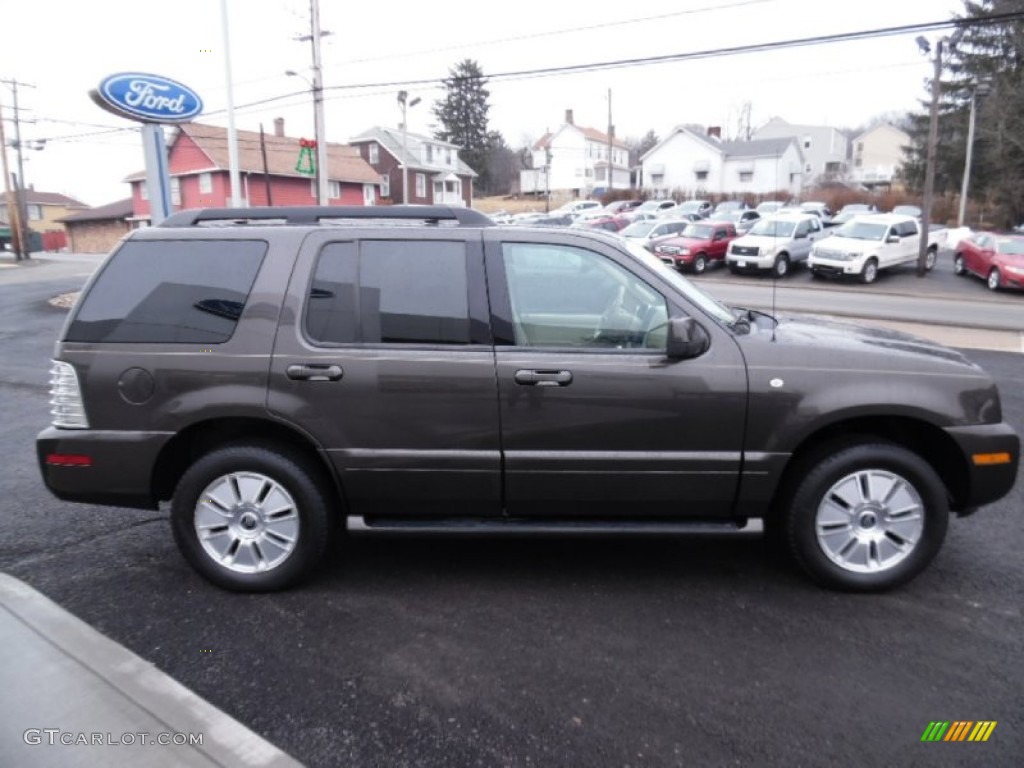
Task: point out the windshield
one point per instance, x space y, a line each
768 207
708 303
691 206
733 216
698 231
862 230
773 228
638 229
650 205
856 208
1011 246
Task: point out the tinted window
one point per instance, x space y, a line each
392 292
570 297
178 291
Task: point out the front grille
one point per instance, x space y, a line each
744 250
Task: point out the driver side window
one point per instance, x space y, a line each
563 296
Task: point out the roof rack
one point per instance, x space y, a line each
313 214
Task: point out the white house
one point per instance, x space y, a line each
824 148
697 165
878 155
574 159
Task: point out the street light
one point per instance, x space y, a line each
403 99
980 89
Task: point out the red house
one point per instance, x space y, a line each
199 169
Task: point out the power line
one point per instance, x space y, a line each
555 32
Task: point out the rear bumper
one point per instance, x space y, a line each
987 482
119 471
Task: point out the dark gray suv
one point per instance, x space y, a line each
278 372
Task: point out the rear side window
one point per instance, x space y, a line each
175 291
390 292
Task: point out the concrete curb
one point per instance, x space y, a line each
59 673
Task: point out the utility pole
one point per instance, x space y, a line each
611 133
19 186
929 169
13 218
233 173
318 105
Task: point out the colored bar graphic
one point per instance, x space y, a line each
958 730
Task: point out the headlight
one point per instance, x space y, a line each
684 251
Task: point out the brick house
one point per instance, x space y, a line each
198 164
97 230
437 176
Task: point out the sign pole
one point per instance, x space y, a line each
158 182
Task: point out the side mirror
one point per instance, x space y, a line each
893 239
686 339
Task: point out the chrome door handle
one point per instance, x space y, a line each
314 372
543 378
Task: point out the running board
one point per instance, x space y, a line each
532 526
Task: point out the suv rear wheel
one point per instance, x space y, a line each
250 518
868 517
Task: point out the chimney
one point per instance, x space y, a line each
279 126
715 132
568 117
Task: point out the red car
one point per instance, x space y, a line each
698 245
999 259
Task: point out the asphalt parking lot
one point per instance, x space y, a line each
546 652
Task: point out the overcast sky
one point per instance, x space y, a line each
65 47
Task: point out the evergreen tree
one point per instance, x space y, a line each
990 53
462 117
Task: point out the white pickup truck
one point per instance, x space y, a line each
866 244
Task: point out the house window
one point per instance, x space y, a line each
374 154
369 195
807 168
807 142
205 183
421 185
858 162
430 153
333 190
35 212
448 156
385 185
860 146
746 175
176 191
832 167
701 175
143 191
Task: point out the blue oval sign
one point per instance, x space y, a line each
149 98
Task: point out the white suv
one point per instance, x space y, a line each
775 243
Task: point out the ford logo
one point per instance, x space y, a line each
149 98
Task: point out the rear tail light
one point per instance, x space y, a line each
66 405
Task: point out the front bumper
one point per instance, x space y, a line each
835 268
761 261
986 481
119 471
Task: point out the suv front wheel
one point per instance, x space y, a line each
250 518
867 517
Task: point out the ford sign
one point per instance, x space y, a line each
148 98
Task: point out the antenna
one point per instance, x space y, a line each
775 272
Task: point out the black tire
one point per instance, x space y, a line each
818 517
958 265
993 280
781 266
276 530
733 269
817 275
870 272
700 264
930 258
